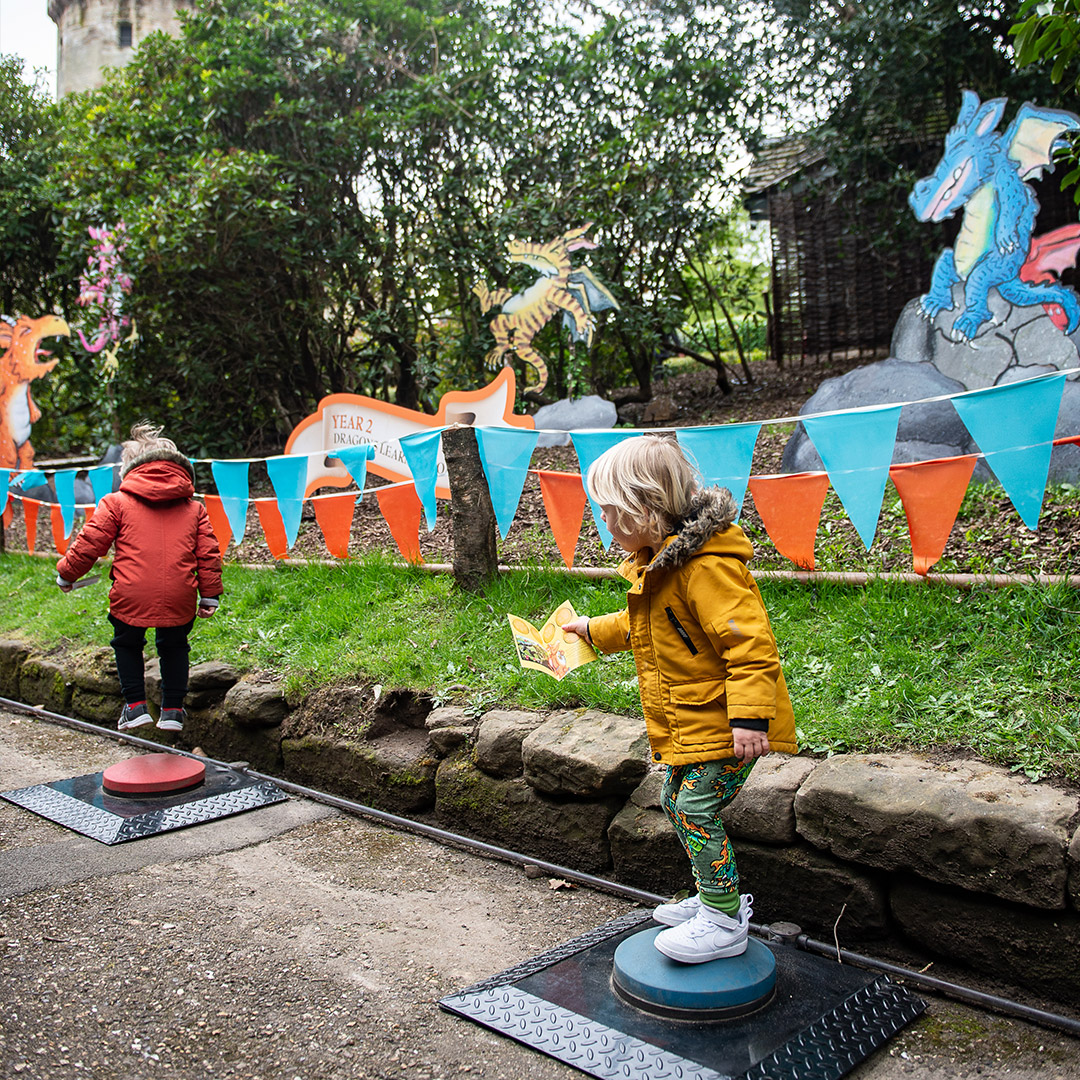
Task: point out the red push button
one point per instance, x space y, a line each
153 774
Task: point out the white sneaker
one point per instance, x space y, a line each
709 935
678 911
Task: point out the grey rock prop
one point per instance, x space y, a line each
572 414
926 362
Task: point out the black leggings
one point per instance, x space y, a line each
172 647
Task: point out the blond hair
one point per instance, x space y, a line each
648 481
145 437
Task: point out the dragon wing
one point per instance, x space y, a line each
584 287
597 296
1031 136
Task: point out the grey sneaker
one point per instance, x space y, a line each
709 935
678 911
134 716
172 720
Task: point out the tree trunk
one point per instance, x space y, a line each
476 557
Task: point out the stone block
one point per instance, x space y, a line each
800 885
510 813
257 704
647 794
395 772
45 683
95 688
1074 870
449 728
765 808
1011 942
208 683
966 823
95 671
586 754
499 738
646 853
218 737
13 655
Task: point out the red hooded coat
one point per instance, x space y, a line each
166 553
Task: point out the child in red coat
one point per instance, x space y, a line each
166 570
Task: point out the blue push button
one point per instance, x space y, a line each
716 990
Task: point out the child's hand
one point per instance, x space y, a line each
205 612
65 586
749 744
579 626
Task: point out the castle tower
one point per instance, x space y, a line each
96 34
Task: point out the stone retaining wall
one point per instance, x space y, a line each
961 859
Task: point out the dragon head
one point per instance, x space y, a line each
21 342
552 258
972 148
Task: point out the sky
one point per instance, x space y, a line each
27 31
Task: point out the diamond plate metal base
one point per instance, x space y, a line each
82 804
825 1019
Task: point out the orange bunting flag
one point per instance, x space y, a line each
335 518
9 513
30 514
790 509
89 515
273 527
60 540
400 506
564 501
219 520
932 492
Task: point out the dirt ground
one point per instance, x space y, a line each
297 943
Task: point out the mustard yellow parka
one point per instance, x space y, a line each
703 646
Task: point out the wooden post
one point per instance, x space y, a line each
476 556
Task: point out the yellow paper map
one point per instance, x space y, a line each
550 648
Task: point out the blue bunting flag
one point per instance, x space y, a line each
856 448
355 459
64 483
101 480
421 452
505 453
589 446
231 478
288 474
1014 427
723 455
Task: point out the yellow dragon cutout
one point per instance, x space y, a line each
560 287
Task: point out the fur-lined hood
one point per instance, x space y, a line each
712 511
162 453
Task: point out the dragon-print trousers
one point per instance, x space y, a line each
692 797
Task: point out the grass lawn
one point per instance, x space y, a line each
993 672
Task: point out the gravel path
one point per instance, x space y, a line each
296 943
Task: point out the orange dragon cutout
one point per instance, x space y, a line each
560 287
19 366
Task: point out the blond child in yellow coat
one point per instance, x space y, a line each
709 675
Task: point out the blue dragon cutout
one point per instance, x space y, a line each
986 173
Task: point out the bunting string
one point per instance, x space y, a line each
1013 426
